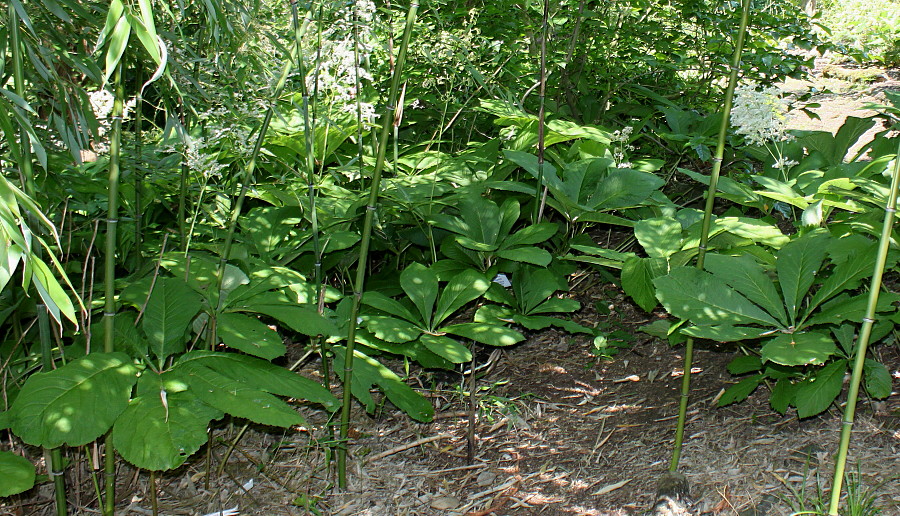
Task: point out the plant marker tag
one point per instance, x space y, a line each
502 280
227 512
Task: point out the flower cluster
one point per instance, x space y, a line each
102 102
760 115
620 140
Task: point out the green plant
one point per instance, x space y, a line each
735 299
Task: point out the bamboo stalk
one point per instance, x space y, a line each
707 222
862 341
363 259
542 92
109 309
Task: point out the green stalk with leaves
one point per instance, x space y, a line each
707 221
363 259
865 333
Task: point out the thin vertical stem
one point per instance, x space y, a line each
363 259
109 310
707 222
542 92
138 170
862 341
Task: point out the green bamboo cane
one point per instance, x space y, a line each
364 243
138 172
542 93
862 342
109 275
26 169
707 221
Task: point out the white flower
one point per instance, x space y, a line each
760 115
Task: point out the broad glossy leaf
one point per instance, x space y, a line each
782 395
158 436
741 390
660 237
795 349
846 275
623 188
745 275
817 394
250 335
74 404
421 286
539 322
262 375
845 307
532 286
169 312
637 280
797 264
127 337
235 397
878 379
368 372
753 229
50 291
532 255
484 333
391 329
556 305
723 333
744 364
17 473
446 348
389 305
463 288
301 318
689 293
530 235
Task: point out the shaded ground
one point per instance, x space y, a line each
560 431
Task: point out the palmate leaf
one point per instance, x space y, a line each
389 305
532 286
637 279
262 375
250 335
368 371
421 286
723 332
391 329
485 333
745 275
74 404
795 349
660 237
818 393
463 288
160 435
797 264
169 312
689 293
446 348
846 275
17 473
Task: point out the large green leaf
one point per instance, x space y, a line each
637 279
795 349
17 474
389 305
689 293
463 288
878 379
741 390
745 275
304 319
818 393
532 255
530 235
723 333
262 375
368 371
250 335
532 286
845 307
421 286
539 322
846 275
391 329
446 348
235 397
660 237
160 430
797 264
170 310
484 333
74 404
623 188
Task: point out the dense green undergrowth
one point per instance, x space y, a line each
233 154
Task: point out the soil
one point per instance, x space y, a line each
560 430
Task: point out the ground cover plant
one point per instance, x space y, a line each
200 201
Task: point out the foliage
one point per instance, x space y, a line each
865 30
